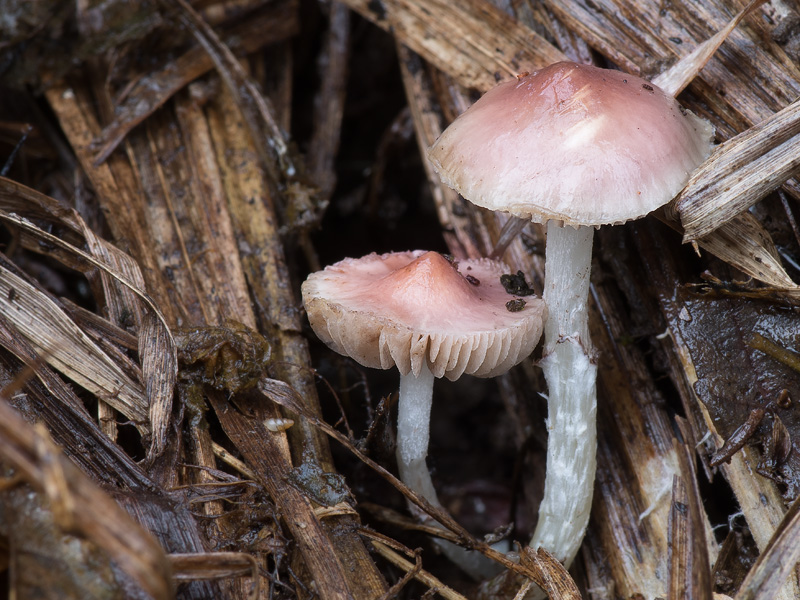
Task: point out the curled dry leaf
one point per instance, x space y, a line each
744 243
738 438
124 295
52 333
777 448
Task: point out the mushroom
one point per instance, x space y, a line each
429 317
576 147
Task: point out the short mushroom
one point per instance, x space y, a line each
576 147
429 317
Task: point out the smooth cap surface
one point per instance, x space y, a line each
585 145
405 309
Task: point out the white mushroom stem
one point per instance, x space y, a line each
572 406
413 432
413 436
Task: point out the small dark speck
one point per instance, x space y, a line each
376 7
676 40
624 81
497 76
515 305
516 284
12 293
763 499
680 507
472 280
648 87
415 66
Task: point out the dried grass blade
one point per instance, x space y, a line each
48 329
679 75
121 196
636 456
53 402
159 358
49 400
204 215
263 260
29 203
740 172
767 576
394 591
157 351
472 41
91 513
679 541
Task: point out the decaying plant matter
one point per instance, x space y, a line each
171 172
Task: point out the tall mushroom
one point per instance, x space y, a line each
576 147
430 318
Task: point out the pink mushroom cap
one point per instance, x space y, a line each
585 145
407 309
